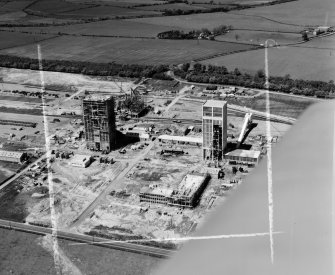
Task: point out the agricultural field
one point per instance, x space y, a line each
102 11
14 39
301 12
280 104
55 6
119 3
121 50
11 16
212 20
325 43
305 63
175 6
7 169
258 37
104 28
12 6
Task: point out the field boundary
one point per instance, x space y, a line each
227 53
269 19
29 43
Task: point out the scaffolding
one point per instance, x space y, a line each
99 121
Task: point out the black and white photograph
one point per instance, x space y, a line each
160 137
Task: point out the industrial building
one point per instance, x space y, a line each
187 193
243 156
18 123
214 129
81 161
180 140
99 121
11 156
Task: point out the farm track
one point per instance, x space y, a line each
269 19
225 53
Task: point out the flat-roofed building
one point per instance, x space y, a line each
180 140
214 129
99 121
155 195
187 193
12 156
82 161
243 156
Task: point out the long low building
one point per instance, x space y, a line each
243 156
12 156
180 139
18 123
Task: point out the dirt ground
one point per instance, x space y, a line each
63 80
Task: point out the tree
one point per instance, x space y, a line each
260 74
305 36
237 71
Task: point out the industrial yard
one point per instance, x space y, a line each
153 186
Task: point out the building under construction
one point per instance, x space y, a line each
187 194
214 129
99 121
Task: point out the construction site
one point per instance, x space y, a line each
135 164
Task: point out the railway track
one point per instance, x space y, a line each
86 239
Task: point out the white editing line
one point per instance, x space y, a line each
269 152
333 197
183 239
53 217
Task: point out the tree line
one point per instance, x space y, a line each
285 84
87 68
199 73
204 33
216 8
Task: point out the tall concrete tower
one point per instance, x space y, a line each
99 121
214 129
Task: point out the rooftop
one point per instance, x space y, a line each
244 153
163 191
80 158
215 103
190 184
181 138
10 154
97 97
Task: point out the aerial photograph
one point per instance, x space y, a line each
167 137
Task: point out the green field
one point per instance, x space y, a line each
258 37
14 39
306 63
212 20
122 50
